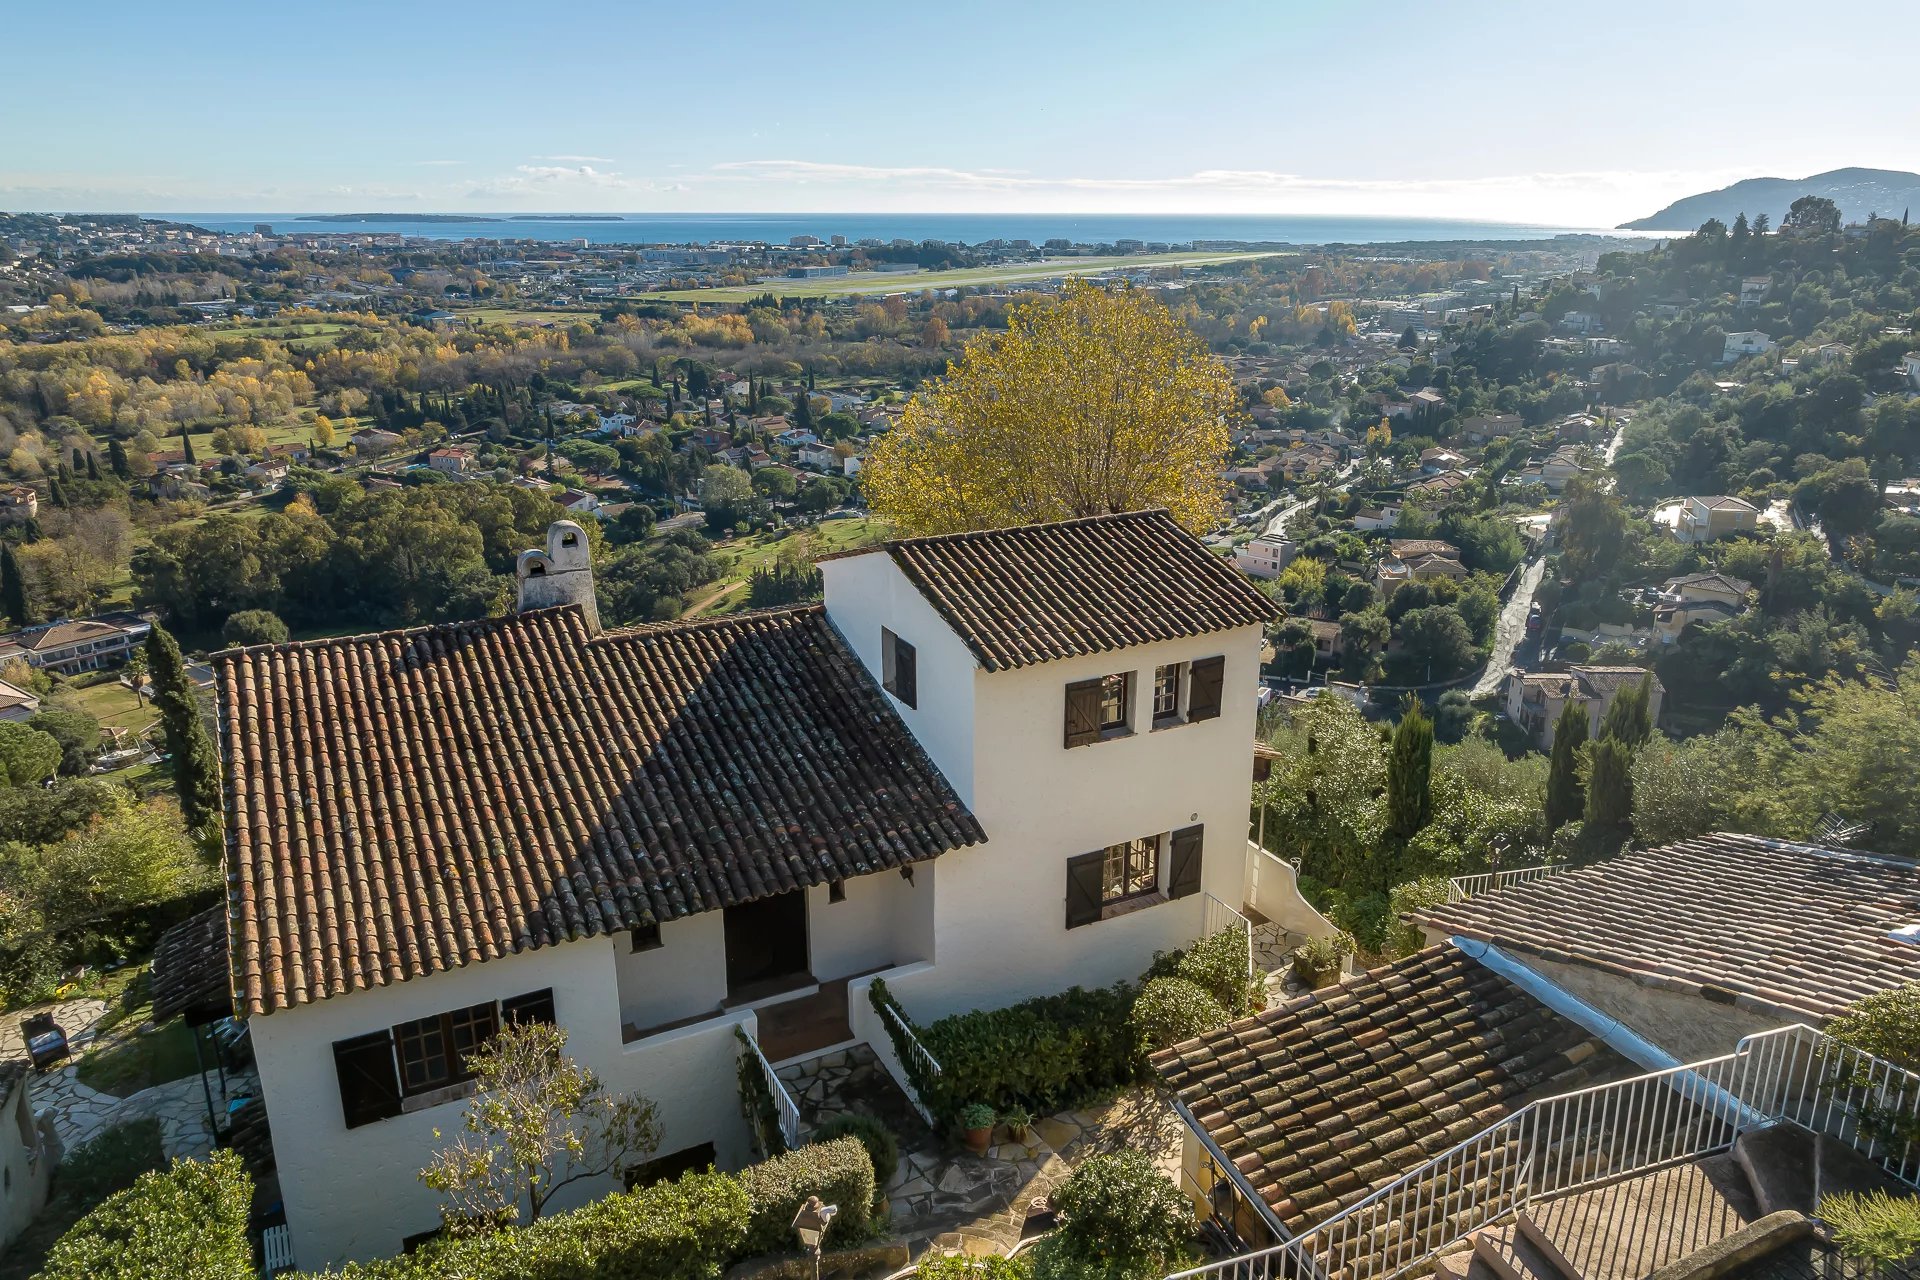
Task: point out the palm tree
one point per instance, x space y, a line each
137 675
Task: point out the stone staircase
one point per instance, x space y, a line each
1753 1203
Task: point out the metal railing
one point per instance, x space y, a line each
1217 917
1558 1145
785 1108
1460 888
907 1042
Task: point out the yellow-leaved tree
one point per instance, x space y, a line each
1096 402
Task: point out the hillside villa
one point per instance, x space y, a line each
1535 699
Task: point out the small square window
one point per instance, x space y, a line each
1166 692
645 936
1115 693
836 891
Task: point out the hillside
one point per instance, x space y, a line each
1858 192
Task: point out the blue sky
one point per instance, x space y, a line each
1527 111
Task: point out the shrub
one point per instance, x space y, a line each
1416 895
1875 1228
685 1230
112 1161
254 626
839 1172
1217 964
1885 1024
189 1223
883 1149
1121 1219
1043 1054
962 1267
1170 1010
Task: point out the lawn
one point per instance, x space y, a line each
974 277
741 556
123 1060
112 703
522 315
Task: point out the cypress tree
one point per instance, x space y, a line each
79 458
1629 719
13 588
186 444
196 766
1609 785
1566 798
117 459
1410 773
93 467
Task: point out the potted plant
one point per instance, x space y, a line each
1316 962
975 1122
1017 1122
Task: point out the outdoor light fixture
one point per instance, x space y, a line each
810 1224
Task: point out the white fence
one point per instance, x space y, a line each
784 1106
1460 888
1218 917
1563 1144
909 1043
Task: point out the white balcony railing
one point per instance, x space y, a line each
1558 1145
909 1043
785 1108
1218 917
1460 888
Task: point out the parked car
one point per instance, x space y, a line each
1535 620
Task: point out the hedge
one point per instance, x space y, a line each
1043 1054
184 1223
839 1172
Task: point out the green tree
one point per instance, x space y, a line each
13 588
1593 529
1628 717
195 764
186 444
1609 785
1812 215
538 1122
1410 773
1120 1219
28 757
77 733
1566 797
1435 643
254 626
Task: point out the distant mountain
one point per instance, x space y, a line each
1858 192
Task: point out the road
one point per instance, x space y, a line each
1510 629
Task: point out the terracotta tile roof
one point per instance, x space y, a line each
411 802
1326 1098
191 974
1037 593
1789 930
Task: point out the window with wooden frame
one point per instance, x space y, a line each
899 668
1100 708
1116 695
1114 880
433 1052
1166 693
1130 869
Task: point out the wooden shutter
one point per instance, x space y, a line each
906 672
1083 712
1083 888
535 1006
369 1085
1203 694
1183 873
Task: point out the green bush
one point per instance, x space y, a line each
1404 939
1217 964
1318 959
112 1161
839 1172
1042 1054
962 1267
882 1147
1874 1228
1170 1010
1120 1219
186 1223
686 1230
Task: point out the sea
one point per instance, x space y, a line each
964 228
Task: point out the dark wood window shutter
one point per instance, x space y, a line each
369 1085
1083 712
1203 694
1083 888
899 668
1183 875
535 1006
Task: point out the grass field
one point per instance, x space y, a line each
883 282
727 593
111 703
521 315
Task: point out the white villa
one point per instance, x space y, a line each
991 765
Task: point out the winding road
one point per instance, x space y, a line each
1510 628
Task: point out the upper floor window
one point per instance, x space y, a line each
1166 693
1099 708
899 668
379 1072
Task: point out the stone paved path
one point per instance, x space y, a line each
945 1198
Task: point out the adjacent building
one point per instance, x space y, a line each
1697 597
73 645
1702 519
1536 699
1750 342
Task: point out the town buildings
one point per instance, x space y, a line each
1702 519
1697 597
990 766
1535 699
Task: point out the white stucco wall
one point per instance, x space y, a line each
685 975
27 1160
884 921
355 1194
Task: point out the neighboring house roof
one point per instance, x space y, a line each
61 634
1606 681
1038 593
1724 502
415 801
1321 1100
191 970
1790 930
1708 582
1407 548
12 696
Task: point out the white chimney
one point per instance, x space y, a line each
562 574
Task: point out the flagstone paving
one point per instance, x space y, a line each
945 1198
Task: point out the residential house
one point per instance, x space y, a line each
712 439
794 437
1410 559
19 502
178 483
269 474
1483 427
73 645
1308 462
1266 556
1702 519
1754 290
16 704
1584 1073
29 1150
1438 489
1328 644
1582 322
1697 597
1256 476
1439 458
371 442
818 456
618 424
1750 342
1828 354
579 502
1376 519
1560 466
456 460
991 765
1426 400
1536 699
1910 366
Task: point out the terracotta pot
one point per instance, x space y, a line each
977 1140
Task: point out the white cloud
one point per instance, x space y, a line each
578 159
438 163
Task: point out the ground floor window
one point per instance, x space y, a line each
1130 869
